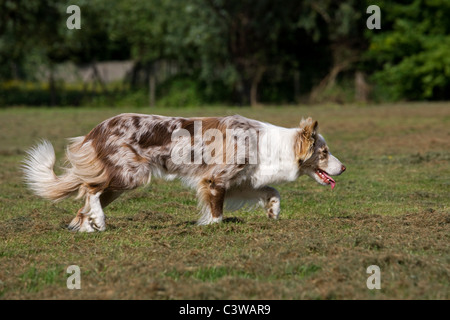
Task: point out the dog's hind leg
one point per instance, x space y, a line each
96 214
271 201
98 202
91 216
81 221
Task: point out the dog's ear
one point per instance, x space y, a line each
305 139
309 128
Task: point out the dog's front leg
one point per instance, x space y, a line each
271 200
211 194
267 197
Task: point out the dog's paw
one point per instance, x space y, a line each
75 224
272 215
97 223
209 220
273 208
81 224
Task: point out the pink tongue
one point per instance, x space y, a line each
332 184
330 180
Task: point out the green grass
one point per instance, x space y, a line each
210 274
390 208
34 280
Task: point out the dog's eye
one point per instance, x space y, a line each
325 152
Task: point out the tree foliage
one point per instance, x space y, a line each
413 55
255 50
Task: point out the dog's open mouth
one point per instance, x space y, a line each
326 178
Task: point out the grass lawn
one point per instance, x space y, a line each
390 209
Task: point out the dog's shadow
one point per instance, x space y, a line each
225 220
113 226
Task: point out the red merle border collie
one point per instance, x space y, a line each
229 161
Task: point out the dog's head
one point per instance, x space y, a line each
313 155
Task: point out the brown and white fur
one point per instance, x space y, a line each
124 152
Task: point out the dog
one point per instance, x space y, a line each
230 161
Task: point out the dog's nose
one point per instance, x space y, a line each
343 168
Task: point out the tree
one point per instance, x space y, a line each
340 25
252 31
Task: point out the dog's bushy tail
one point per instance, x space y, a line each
41 178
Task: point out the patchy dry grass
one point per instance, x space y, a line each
390 208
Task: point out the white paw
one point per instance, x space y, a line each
98 223
273 208
209 220
86 226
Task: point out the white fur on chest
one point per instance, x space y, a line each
276 158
